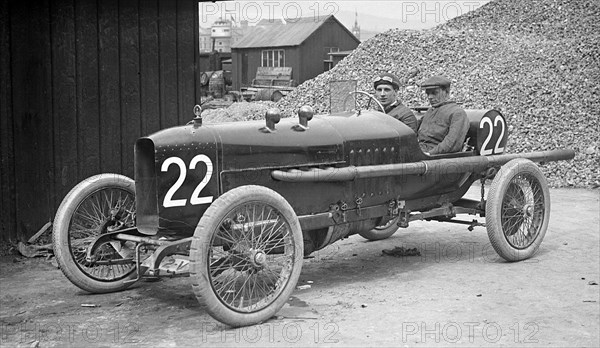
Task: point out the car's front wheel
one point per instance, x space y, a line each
246 255
98 205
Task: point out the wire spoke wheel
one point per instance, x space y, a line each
522 211
98 205
517 210
246 255
105 210
255 260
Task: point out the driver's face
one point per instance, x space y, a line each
386 94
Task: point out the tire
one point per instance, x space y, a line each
84 214
381 232
228 258
205 77
517 210
276 96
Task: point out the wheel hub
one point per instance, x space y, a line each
259 258
528 209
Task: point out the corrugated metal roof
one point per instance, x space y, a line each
276 34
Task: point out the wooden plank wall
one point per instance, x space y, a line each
7 157
81 80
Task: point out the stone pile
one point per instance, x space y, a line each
241 111
537 61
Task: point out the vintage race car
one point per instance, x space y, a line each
245 202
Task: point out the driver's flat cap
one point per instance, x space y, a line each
435 81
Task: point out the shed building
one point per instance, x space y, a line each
303 45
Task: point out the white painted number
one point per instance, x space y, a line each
195 199
169 201
484 150
497 149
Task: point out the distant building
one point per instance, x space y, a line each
304 45
356 27
221 35
205 42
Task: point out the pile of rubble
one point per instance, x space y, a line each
535 60
240 111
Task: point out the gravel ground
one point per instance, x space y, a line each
457 293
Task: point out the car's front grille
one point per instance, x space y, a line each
145 187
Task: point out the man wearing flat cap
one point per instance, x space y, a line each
386 91
444 126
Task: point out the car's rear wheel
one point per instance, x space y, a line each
246 255
381 232
98 205
517 210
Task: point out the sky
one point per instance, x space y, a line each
377 16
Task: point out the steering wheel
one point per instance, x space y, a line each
370 96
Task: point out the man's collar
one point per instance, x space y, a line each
391 106
443 103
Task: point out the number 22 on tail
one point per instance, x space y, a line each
492 129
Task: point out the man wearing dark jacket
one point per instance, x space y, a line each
444 126
386 91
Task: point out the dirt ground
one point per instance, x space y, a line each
457 293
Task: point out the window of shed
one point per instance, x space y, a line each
273 58
328 50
